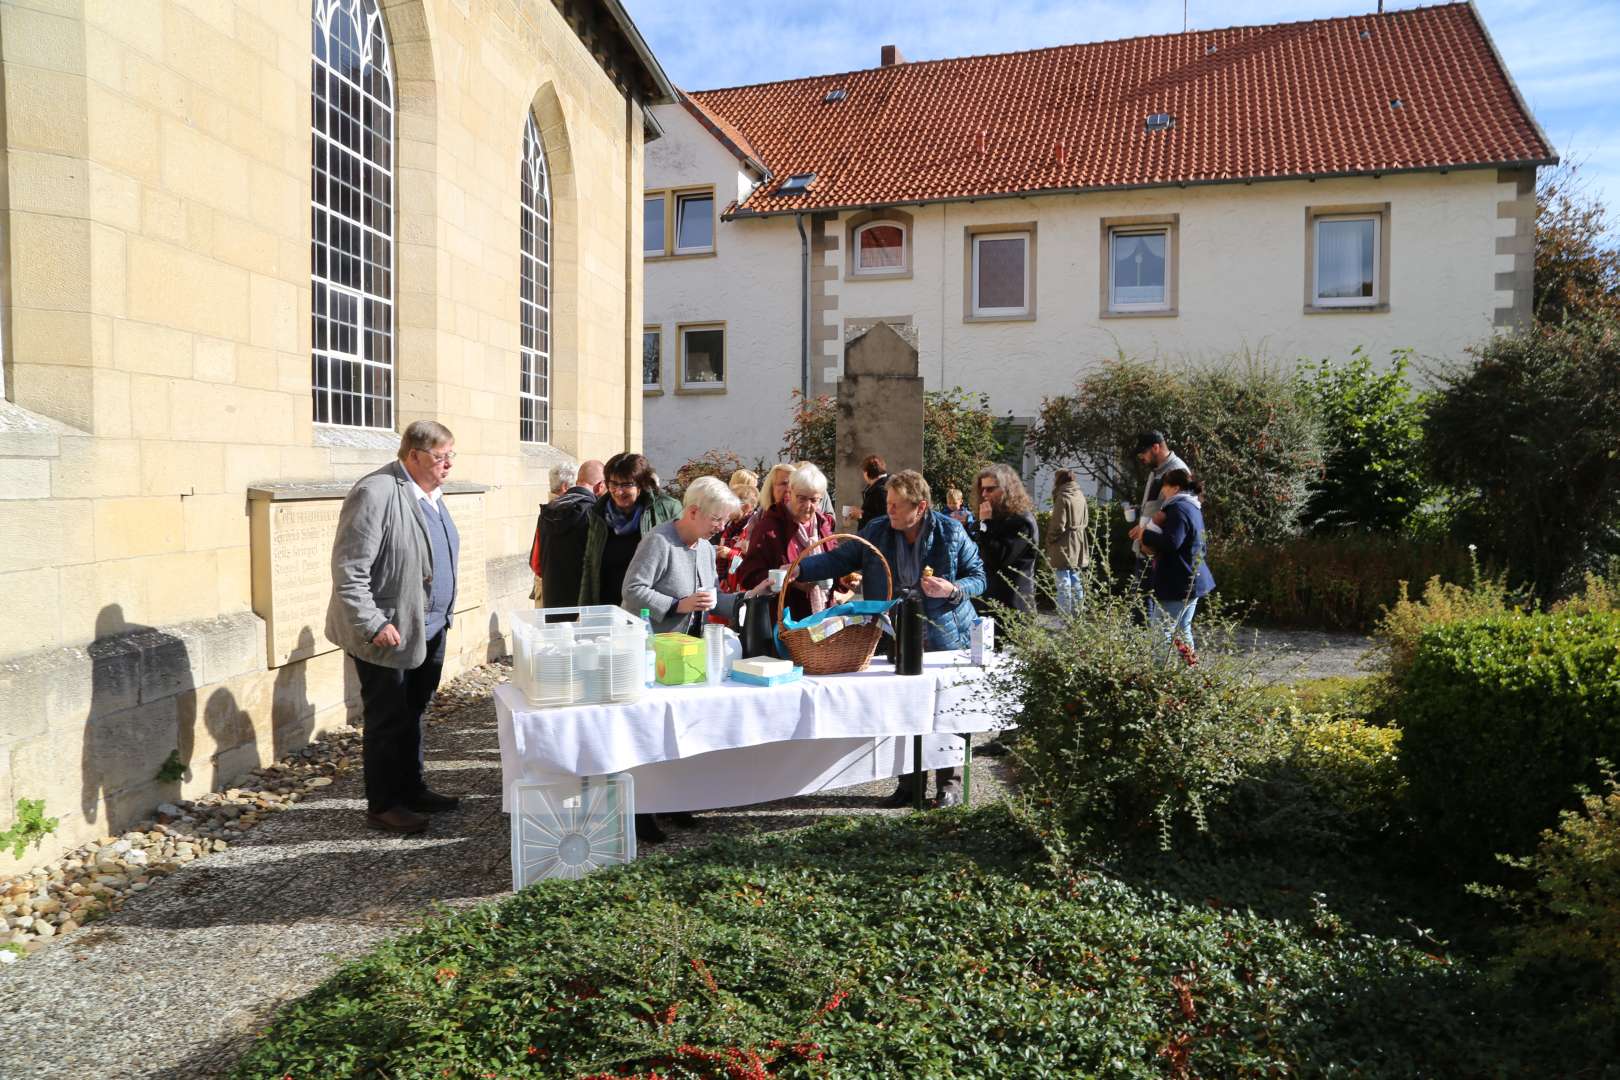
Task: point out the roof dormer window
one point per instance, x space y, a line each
797 184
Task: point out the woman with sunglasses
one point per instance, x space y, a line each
1006 537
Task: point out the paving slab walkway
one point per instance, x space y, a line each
174 986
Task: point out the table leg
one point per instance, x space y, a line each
919 775
967 768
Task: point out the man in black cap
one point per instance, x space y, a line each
1153 452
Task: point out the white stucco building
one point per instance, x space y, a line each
1290 190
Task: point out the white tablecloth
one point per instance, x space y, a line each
701 747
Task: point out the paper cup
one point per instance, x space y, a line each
778 579
1130 515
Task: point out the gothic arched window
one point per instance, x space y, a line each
534 290
352 215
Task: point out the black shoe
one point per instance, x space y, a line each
431 802
647 830
993 748
682 820
951 796
902 796
397 820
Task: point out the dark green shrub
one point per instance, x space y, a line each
1246 428
1571 912
1337 582
1126 744
1502 719
1526 439
1372 429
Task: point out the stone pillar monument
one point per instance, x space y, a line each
880 407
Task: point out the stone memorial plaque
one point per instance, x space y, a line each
293 527
292 575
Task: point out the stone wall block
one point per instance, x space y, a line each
26 479
115 674
232 645
167 663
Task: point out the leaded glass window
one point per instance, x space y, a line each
352 215
534 299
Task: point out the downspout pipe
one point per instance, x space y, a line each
804 307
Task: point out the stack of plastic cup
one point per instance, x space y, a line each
714 653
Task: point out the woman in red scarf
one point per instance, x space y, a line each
784 529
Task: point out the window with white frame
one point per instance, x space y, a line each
1000 274
1346 269
1139 268
534 290
652 359
677 222
694 223
352 216
703 356
880 248
652 234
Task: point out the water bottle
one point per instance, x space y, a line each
652 656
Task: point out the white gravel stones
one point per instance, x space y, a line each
61 896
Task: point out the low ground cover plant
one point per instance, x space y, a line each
937 945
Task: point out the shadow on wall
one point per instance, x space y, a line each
292 714
497 640
143 705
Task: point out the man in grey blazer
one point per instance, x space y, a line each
393 591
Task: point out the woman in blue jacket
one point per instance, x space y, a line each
926 550
1180 573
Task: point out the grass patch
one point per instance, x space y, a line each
938 945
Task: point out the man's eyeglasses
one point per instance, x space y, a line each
448 455
622 485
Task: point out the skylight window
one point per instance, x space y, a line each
797 184
1161 121
834 96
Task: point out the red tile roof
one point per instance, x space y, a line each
722 129
1250 103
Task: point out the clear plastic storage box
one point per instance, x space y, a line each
570 828
578 656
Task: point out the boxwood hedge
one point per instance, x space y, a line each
1503 717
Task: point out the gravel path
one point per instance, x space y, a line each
1292 655
174 985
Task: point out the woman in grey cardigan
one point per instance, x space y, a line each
673 573
673 576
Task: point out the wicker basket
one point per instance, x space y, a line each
848 650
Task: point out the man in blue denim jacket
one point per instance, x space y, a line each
926 550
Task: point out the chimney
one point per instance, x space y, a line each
979 142
1062 153
891 56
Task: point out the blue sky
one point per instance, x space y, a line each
1564 57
